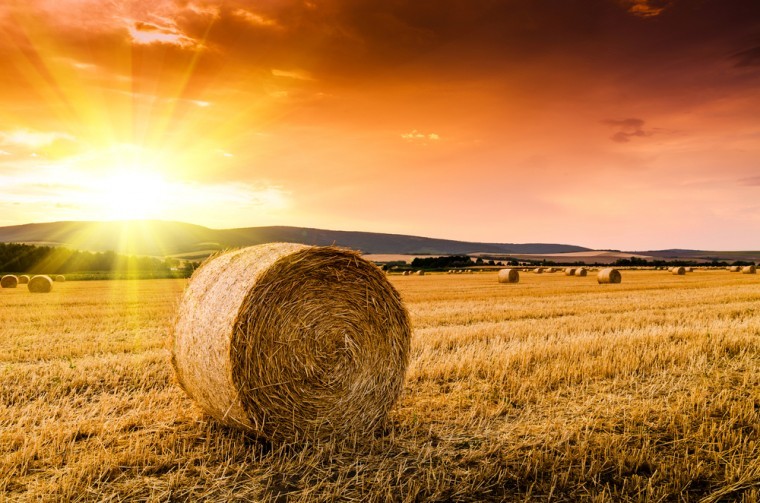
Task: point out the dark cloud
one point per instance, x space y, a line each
748 57
627 129
752 181
646 8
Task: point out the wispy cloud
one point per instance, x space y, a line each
292 74
415 135
146 33
32 139
627 129
646 8
753 181
256 19
748 57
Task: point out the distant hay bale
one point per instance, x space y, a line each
569 271
60 278
538 270
689 269
509 276
23 279
581 272
679 271
292 342
735 268
609 275
749 269
551 270
420 273
40 284
9 281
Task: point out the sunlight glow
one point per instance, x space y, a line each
129 195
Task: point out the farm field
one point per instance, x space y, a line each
552 389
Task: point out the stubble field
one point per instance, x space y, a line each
555 388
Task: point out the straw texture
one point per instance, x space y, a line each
509 276
609 275
9 281
40 284
292 342
23 279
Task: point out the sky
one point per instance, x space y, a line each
611 124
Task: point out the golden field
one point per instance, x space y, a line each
555 388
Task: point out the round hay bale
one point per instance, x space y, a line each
609 275
40 284
538 270
581 272
689 269
420 273
509 276
569 271
23 279
749 269
292 342
734 268
551 270
679 271
9 281
60 278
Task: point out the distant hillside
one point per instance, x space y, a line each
159 238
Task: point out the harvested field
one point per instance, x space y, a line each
554 388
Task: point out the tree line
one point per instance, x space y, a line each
31 259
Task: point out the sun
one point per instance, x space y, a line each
129 194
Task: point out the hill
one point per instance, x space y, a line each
160 238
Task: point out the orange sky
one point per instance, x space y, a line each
628 124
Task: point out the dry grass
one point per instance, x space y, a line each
553 389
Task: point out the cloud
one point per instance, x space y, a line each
146 33
753 181
646 8
415 135
748 57
292 74
256 19
32 139
627 129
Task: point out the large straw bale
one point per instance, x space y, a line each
23 279
40 284
509 276
538 270
569 271
749 269
581 272
609 275
292 342
735 268
60 278
9 281
679 271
